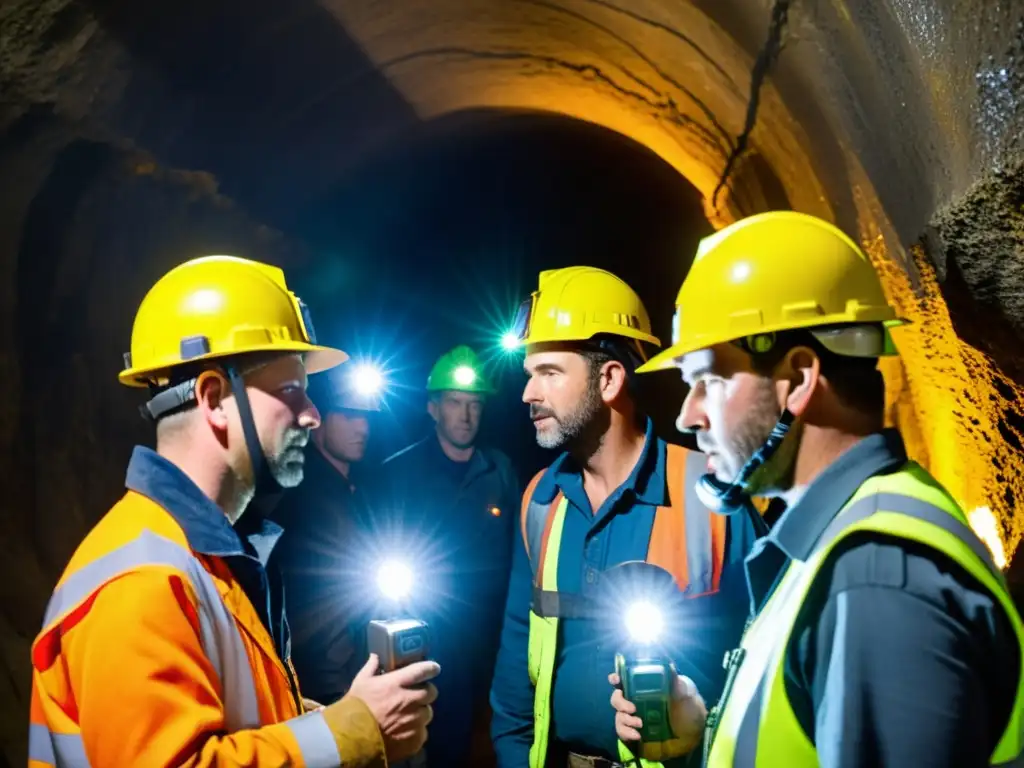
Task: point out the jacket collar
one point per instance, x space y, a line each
800 527
797 531
205 525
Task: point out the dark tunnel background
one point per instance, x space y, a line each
436 243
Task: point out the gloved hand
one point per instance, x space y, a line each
687 716
400 702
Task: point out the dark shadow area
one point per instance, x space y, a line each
49 313
437 243
272 98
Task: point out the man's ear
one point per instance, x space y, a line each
802 369
212 389
612 380
432 409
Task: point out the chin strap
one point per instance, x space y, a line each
728 498
266 484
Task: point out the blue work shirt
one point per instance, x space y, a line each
246 547
582 719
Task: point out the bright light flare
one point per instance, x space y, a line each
394 579
367 380
644 622
984 524
510 341
464 375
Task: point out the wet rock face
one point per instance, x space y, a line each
977 245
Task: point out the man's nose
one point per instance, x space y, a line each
530 393
692 416
309 416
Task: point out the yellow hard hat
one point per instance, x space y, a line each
577 303
215 307
774 272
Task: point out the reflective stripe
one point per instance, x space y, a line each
219 635
699 549
316 742
549 604
58 749
919 510
147 549
536 519
746 739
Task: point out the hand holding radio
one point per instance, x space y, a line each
400 702
687 714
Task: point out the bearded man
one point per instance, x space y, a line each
617 494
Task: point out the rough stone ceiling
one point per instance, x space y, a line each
901 120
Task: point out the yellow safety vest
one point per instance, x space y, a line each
908 504
688 541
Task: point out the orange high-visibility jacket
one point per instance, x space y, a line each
151 654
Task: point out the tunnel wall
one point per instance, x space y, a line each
85 228
900 120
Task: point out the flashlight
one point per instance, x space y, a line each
647 676
367 380
398 641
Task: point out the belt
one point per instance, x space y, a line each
584 761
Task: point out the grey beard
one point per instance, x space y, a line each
576 424
288 474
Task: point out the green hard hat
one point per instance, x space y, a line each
458 370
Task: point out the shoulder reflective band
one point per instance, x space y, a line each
218 634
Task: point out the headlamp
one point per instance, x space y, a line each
510 341
367 380
464 376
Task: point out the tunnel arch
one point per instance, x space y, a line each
629 70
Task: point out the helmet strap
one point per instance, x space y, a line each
727 498
168 400
265 482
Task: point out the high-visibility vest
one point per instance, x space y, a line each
150 653
687 540
908 504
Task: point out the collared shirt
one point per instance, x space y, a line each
594 541
246 550
902 659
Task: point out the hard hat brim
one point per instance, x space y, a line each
317 359
669 358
